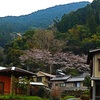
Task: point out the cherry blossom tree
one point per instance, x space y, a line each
66 60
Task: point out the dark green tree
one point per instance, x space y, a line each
87 81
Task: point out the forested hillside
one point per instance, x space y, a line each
41 50
82 28
41 19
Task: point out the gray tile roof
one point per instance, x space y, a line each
60 78
16 71
95 50
91 54
76 79
95 78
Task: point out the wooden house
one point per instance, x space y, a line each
75 83
6 78
67 82
94 61
59 81
44 78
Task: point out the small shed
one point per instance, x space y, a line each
6 78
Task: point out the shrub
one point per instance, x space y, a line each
86 92
85 97
56 93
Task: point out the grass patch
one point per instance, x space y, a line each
67 97
18 97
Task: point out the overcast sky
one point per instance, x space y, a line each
22 7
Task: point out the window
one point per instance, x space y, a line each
62 84
39 79
77 84
56 84
99 64
1 87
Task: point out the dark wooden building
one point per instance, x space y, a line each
6 78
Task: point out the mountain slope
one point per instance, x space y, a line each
89 15
82 28
39 19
